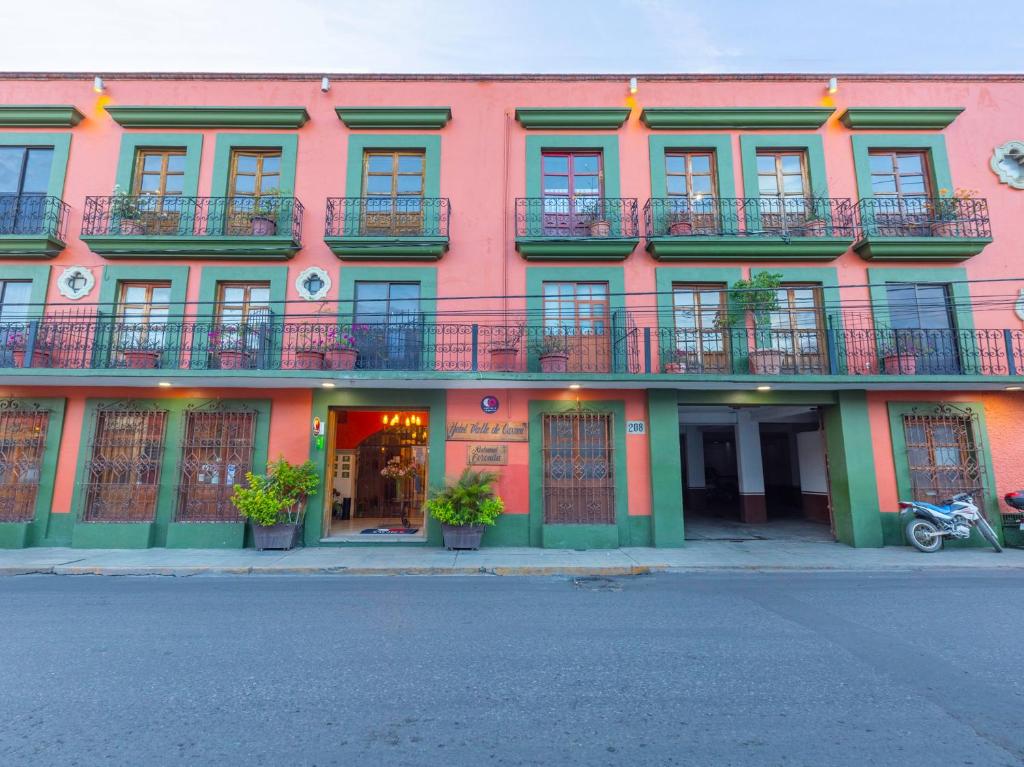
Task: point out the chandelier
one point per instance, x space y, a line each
408 427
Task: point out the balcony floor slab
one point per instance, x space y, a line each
218 247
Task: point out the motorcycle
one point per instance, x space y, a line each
1015 501
928 525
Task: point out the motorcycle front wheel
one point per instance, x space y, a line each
989 534
923 535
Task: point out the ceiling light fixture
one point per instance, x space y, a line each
164 384
328 384
1012 388
764 387
574 386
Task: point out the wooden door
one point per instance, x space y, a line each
159 184
576 315
253 188
798 330
573 184
699 343
783 190
393 193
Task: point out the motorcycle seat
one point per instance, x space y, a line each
933 507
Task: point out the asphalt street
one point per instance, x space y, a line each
696 669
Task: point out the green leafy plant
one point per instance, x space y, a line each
757 296
469 500
123 205
552 343
267 205
278 496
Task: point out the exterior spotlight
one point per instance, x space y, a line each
833 84
574 386
764 387
164 384
97 84
328 384
325 84
632 85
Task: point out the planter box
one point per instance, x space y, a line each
462 536
263 226
766 362
899 364
283 535
141 359
233 360
40 358
340 359
554 363
309 360
504 360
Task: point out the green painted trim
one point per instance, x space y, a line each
738 397
206 535
954 249
934 144
211 276
192 143
764 118
394 117
432 400
852 486
208 117
720 144
578 536
113 535
592 249
288 143
607 144
381 248
110 284
536 276
246 248
578 118
39 276
640 532
899 453
666 469
811 143
825 276
899 118
510 530
667 276
39 116
22 245
61 143
726 248
14 535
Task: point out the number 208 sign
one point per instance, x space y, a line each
636 427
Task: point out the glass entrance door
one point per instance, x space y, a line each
922 326
24 178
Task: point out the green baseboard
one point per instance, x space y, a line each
112 535
640 531
510 530
14 535
580 537
206 535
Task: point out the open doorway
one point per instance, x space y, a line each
754 472
377 474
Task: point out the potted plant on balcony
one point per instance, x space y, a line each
814 225
140 352
900 358
553 353
275 502
309 348
674 361
679 219
126 212
758 297
265 210
229 345
948 212
465 508
17 344
340 349
504 349
600 227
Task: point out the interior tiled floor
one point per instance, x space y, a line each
700 528
354 527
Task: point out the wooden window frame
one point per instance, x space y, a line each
688 155
894 155
778 154
796 359
165 154
260 155
688 348
246 304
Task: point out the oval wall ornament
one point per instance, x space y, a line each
76 282
1008 163
1019 306
313 283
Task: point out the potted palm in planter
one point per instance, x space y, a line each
553 353
125 210
275 502
340 350
465 508
757 297
264 214
228 344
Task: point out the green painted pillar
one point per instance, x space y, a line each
851 468
666 468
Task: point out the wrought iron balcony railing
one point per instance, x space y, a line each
387 217
34 215
616 346
749 217
576 218
925 217
176 216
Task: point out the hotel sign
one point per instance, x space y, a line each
488 455
487 431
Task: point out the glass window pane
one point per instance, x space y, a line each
371 291
675 184
765 163
791 163
793 184
702 185
271 163
556 164
37 171
379 163
408 184
405 290
270 184
174 184
910 163
883 185
913 184
880 163
767 185
152 162
700 163
410 163
11 158
134 294
587 184
149 183
161 295
556 185
585 164
259 295
378 184
675 163
245 163
176 163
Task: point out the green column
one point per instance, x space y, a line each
666 468
851 464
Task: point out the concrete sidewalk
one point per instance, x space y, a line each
396 560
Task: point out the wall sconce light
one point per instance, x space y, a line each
833 84
97 84
325 84
632 85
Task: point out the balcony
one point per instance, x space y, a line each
32 225
923 229
193 227
577 228
617 349
381 228
728 229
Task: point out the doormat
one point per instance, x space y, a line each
390 531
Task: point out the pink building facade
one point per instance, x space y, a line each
702 300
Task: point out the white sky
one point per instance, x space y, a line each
493 36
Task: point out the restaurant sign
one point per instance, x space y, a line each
487 431
488 455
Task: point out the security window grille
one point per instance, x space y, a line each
122 475
215 455
159 183
943 454
393 192
798 329
576 318
255 174
22 444
579 486
701 344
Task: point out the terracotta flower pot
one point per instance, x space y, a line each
233 359
141 359
766 362
308 359
262 226
675 368
504 360
900 364
340 359
600 229
680 228
554 363
131 226
814 228
40 358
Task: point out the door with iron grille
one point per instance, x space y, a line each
122 475
216 452
579 482
943 453
22 444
